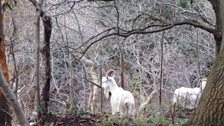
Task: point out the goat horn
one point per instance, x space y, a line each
204 79
109 72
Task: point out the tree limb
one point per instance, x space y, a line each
11 98
149 99
93 83
166 27
160 27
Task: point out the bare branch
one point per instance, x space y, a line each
11 98
93 37
168 26
162 27
93 83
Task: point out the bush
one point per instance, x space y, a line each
122 121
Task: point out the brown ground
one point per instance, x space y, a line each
88 120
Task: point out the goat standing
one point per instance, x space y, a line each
190 95
122 101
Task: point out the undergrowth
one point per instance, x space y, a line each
156 120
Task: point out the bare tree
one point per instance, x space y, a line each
37 64
4 109
11 99
46 57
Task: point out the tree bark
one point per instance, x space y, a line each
210 110
218 35
37 64
94 96
11 98
5 118
122 64
46 57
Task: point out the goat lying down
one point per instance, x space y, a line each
189 96
122 101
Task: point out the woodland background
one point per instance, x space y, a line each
90 37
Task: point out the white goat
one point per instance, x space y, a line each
189 95
122 101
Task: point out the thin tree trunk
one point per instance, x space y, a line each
94 97
46 57
161 72
12 40
38 6
218 35
121 65
101 90
5 118
153 93
11 98
37 66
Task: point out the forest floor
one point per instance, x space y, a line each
91 120
108 120
88 120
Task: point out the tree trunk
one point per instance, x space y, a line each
5 118
46 57
37 64
11 98
95 96
122 69
210 110
218 35
38 6
121 64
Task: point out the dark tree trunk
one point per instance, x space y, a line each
121 64
46 57
122 69
218 35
